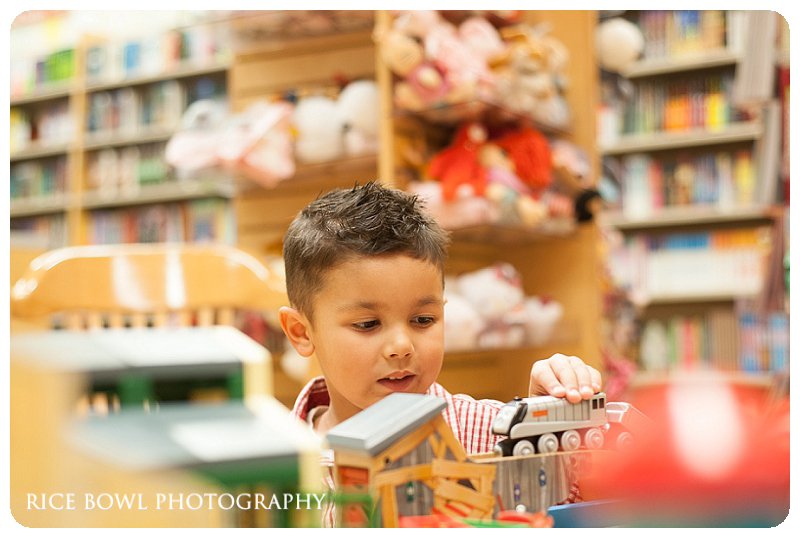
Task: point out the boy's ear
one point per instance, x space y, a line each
296 328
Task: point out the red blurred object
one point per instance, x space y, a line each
717 455
432 521
538 520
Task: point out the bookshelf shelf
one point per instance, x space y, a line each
102 140
40 95
30 207
733 132
169 191
181 72
36 151
682 63
694 298
691 215
514 235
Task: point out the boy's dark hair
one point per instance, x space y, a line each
363 221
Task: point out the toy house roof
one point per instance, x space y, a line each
382 424
194 435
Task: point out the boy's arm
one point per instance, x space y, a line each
564 377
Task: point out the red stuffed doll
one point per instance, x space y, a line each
458 163
530 151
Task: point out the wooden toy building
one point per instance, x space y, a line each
400 458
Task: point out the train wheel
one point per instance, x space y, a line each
570 440
593 438
502 448
624 441
547 444
523 448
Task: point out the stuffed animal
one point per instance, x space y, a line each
457 167
462 322
542 317
496 293
255 143
461 212
357 110
319 136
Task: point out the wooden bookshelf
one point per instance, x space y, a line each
689 138
78 199
682 63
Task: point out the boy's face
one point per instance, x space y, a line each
378 329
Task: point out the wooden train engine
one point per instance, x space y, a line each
544 424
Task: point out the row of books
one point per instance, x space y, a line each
130 110
676 32
723 179
722 339
29 75
194 221
46 231
112 171
156 54
47 126
38 179
678 104
683 265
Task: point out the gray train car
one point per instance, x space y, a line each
545 423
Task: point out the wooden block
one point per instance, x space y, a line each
388 507
395 477
447 437
405 445
456 492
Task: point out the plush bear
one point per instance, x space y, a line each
496 293
357 109
462 322
319 136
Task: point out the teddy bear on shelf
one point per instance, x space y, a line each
318 131
437 62
496 293
530 77
357 112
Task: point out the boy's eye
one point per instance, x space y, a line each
366 325
423 320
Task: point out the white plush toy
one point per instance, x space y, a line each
542 316
496 294
318 130
357 112
462 323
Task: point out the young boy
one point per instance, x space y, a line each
365 280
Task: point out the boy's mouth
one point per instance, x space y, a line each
397 382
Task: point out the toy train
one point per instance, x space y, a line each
545 423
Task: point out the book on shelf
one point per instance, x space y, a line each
38 179
681 32
722 339
714 179
725 262
192 221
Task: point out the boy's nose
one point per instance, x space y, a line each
399 345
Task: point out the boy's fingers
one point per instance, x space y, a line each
565 377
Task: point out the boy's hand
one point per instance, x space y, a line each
564 376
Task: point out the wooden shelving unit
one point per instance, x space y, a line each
78 199
675 234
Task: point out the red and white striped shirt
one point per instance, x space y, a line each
470 420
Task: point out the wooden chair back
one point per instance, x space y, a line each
135 285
